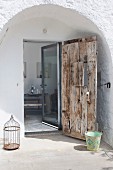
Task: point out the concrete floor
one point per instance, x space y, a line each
33 123
55 152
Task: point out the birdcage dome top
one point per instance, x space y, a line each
11 123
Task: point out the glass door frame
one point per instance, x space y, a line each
58 45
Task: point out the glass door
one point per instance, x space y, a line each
50 83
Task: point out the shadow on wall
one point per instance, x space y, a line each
104 94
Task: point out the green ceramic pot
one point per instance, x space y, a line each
93 140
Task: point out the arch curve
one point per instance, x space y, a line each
62 21
99 13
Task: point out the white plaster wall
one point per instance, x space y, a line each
100 12
61 24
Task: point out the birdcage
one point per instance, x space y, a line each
11 134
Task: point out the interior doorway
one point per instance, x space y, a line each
41 86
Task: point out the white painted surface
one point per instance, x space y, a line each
32 55
61 24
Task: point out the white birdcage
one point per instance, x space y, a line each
11 134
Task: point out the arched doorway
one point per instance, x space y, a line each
61 25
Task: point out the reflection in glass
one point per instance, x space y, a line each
25 70
38 70
50 109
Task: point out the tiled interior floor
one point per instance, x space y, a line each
33 123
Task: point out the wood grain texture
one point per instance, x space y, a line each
79 62
65 89
92 83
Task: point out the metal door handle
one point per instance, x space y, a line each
88 97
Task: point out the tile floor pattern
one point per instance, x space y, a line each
33 123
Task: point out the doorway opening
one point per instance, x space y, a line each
42 110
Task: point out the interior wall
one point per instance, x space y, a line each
32 55
11 66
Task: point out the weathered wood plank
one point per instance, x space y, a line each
74 91
83 96
65 89
79 62
72 107
88 39
81 73
92 84
76 73
91 51
82 51
83 100
74 57
74 52
76 115
75 134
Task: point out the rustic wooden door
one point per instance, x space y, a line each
79 86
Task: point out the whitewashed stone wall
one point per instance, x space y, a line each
99 13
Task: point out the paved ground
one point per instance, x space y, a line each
33 123
55 152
